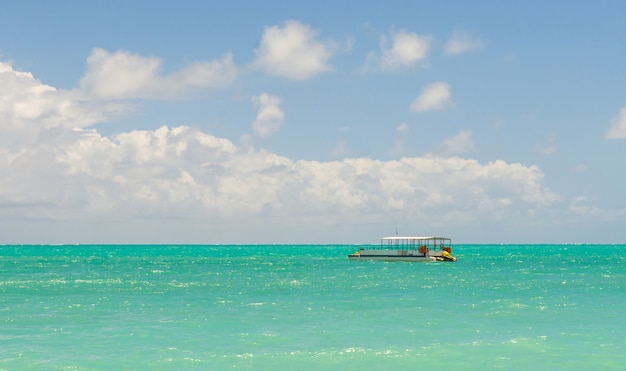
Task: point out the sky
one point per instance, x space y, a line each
247 122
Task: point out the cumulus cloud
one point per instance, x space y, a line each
293 51
124 75
462 143
28 108
617 130
462 42
404 49
270 117
434 97
182 171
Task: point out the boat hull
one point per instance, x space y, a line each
400 255
392 258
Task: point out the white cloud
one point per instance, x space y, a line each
293 51
406 49
434 97
461 143
618 126
29 109
462 42
270 117
124 75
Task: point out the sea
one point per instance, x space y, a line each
307 307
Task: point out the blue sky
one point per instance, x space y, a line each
329 122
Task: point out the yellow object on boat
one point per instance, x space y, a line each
446 255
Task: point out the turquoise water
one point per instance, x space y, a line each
275 307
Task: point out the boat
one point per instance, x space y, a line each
414 249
